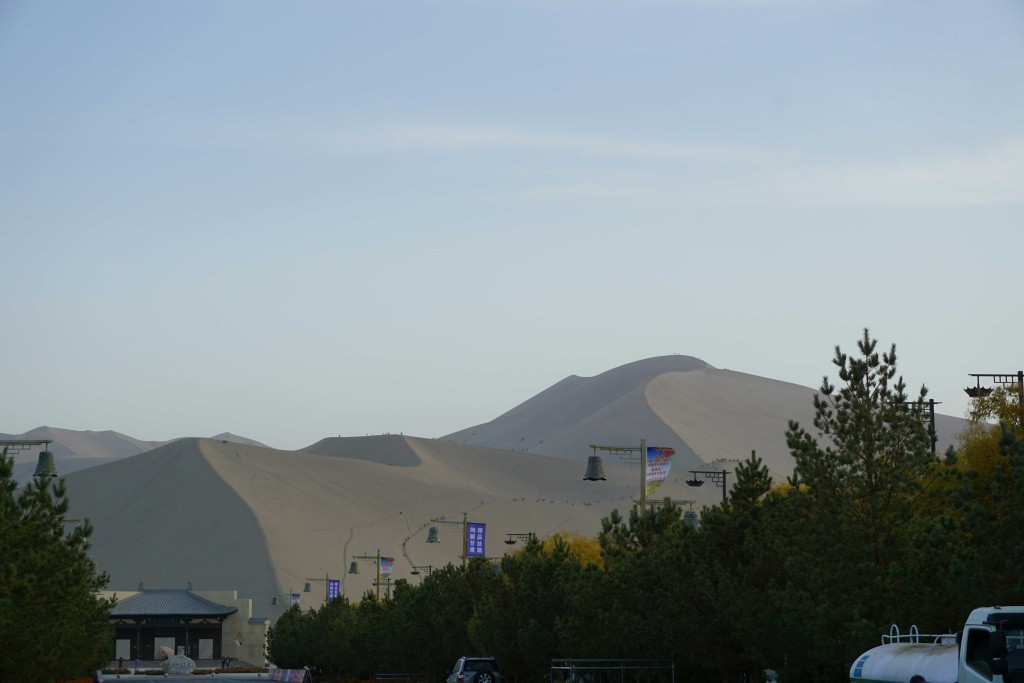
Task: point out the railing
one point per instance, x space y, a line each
894 636
404 678
612 670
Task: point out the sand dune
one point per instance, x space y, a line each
231 514
264 522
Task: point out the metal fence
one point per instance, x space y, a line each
404 678
613 671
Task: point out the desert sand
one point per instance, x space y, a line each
225 515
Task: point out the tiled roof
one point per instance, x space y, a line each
169 602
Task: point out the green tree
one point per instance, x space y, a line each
855 489
290 642
331 630
52 625
968 542
518 620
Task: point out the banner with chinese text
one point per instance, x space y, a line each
386 565
475 536
333 588
659 460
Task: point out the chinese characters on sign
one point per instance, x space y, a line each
475 533
659 460
333 588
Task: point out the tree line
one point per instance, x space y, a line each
798 577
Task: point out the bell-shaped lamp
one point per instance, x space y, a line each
595 469
46 467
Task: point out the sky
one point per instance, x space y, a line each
294 220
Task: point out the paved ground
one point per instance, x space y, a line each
210 664
220 678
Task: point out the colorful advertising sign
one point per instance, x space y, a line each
475 535
333 588
659 460
386 565
295 598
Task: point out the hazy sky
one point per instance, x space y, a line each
292 220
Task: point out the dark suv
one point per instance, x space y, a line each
475 670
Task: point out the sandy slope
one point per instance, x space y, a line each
225 515
563 419
726 414
228 515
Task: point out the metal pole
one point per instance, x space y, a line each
643 475
465 538
725 484
378 574
931 421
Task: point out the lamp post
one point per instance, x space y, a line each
997 378
512 538
328 584
376 559
428 568
626 454
629 454
292 596
434 537
46 466
720 476
930 405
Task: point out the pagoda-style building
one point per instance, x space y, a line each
152 624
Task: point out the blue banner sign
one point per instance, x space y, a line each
475 536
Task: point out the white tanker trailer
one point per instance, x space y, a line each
990 649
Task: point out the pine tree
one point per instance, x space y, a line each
855 485
876 451
52 625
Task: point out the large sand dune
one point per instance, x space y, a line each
233 514
705 413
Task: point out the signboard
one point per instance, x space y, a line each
387 564
295 598
476 533
333 588
659 460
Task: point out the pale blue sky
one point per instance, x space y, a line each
293 220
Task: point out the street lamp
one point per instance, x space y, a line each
385 563
429 568
930 404
996 378
632 454
719 476
294 597
477 530
332 587
512 538
46 467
